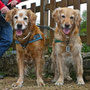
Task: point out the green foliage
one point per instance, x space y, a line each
32 75
84 16
83 26
85 48
83 32
9 52
49 50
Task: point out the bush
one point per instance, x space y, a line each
85 48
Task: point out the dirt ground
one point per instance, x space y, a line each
29 84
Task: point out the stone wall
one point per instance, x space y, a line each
8 65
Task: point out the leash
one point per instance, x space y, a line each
46 27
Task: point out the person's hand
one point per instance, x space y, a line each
4 10
13 3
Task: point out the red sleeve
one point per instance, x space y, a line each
1 5
17 0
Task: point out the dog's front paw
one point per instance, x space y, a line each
59 82
80 82
18 84
40 83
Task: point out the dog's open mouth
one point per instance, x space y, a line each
19 32
66 30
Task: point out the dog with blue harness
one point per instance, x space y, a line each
29 42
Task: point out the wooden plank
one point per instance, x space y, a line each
76 4
58 4
46 20
83 1
69 3
52 22
88 22
63 3
33 7
38 9
42 13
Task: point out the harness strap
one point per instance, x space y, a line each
57 41
67 46
36 38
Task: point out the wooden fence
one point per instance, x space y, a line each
45 7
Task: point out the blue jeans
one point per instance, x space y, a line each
6 38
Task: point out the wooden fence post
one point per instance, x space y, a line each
88 22
52 22
43 14
24 7
33 7
64 3
76 4
46 19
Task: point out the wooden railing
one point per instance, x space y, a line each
45 7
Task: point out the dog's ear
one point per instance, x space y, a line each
10 14
32 16
77 17
57 14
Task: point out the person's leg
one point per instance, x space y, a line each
6 37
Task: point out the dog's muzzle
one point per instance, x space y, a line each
19 30
19 26
66 28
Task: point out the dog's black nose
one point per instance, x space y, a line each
19 26
67 25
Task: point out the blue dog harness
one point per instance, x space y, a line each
35 38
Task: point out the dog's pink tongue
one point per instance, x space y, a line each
19 32
66 31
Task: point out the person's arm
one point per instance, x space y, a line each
1 5
3 8
13 2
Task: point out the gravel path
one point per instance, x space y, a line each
29 84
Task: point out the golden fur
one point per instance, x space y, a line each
68 23
25 20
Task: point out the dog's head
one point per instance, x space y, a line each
67 19
21 20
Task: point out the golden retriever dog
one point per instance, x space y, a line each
23 23
67 45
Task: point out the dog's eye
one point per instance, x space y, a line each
16 17
25 18
71 17
63 16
